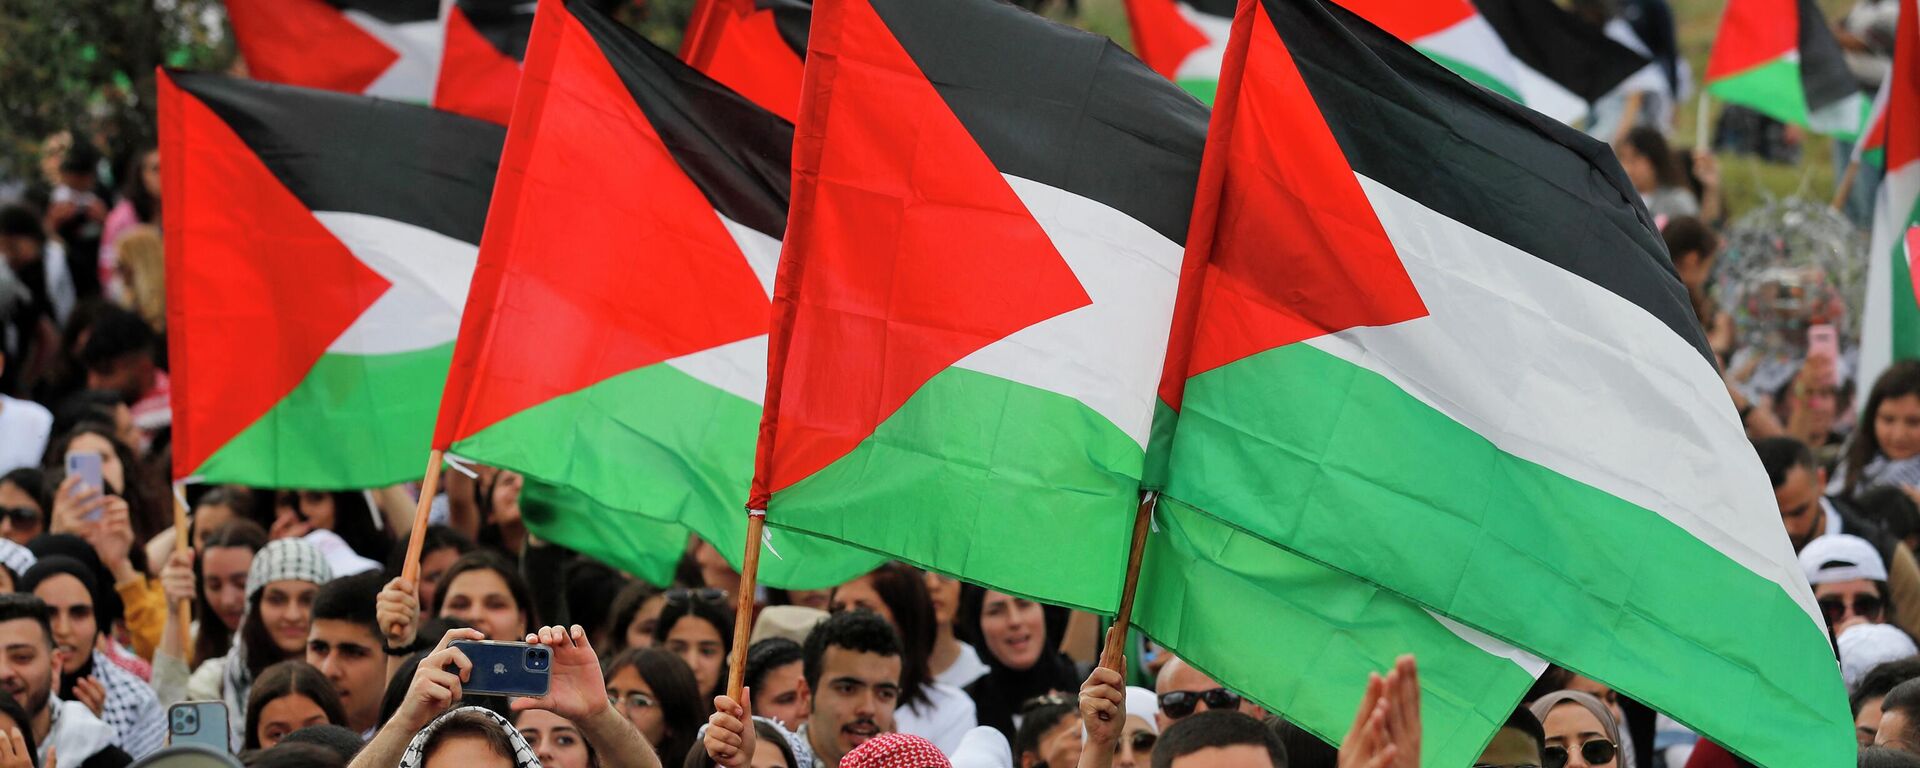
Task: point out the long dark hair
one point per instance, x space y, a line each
489 560
145 204
214 639
682 603
288 678
904 590
145 508
626 605
1900 380
352 521
681 706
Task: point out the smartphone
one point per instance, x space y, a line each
86 466
198 722
507 669
1824 341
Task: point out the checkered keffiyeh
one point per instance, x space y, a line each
131 708
287 560
15 557
416 756
896 750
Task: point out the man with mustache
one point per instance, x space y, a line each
851 671
27 664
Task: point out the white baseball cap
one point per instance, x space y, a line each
1841 557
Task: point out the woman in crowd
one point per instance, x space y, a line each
636 611
23 505
218 588
1650 165
347 513
121 471
286 697
1581 732
1021 643
484 591
776 749
953 662
774 671
554 740
439 549
139 204
697 626
281 584
656 691
1885 449
897 592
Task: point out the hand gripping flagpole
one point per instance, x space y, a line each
743 611
417 538
1114 656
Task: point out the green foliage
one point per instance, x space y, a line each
88 66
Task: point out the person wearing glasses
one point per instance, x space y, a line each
656 691
1184 690
1580 731
1130 742
23 505
1849 580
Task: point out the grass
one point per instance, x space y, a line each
1748 181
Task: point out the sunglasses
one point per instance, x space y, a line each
20 516
1596 752
1864 606
1179 704
1517 765
703 595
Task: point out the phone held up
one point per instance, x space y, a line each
199 722
507 669
86 466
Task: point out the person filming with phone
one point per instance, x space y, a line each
430 730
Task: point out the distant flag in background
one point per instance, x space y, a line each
385 48
755 47
319 248
616 343
1779 57
1890 328
1416 375
1565 64
480 67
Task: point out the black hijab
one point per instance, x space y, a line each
998 694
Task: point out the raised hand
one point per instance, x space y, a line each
73 504
176 578
575 689
1103 708
91 693
397 609
434 689
730 738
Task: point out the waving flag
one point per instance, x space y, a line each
480 68
1890 328
1412 376
968 334
755 47
319 247
1780 58
1565 64
615 342
386 48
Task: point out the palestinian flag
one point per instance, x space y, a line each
969 325
755 47
615 340
1183 39
1565 64
386 48
480 67
1872 146
1780 58
1890 328
1462 369
319 247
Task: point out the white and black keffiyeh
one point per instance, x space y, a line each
279 560
131 708
415 756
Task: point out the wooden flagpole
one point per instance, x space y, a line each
743 610
1846 184
181 540
417 538
1114 656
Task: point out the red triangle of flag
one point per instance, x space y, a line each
475 80
740 46
307 43
906 251
1286 241
1162 36
600 255
1753 32
257 288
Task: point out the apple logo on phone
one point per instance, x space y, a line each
499 669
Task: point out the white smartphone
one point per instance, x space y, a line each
86 466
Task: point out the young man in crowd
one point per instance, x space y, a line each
1873 689
27 671
344 643
851 671
1219 739
1900 718
1798 489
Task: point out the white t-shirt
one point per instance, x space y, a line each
25 427
966 668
